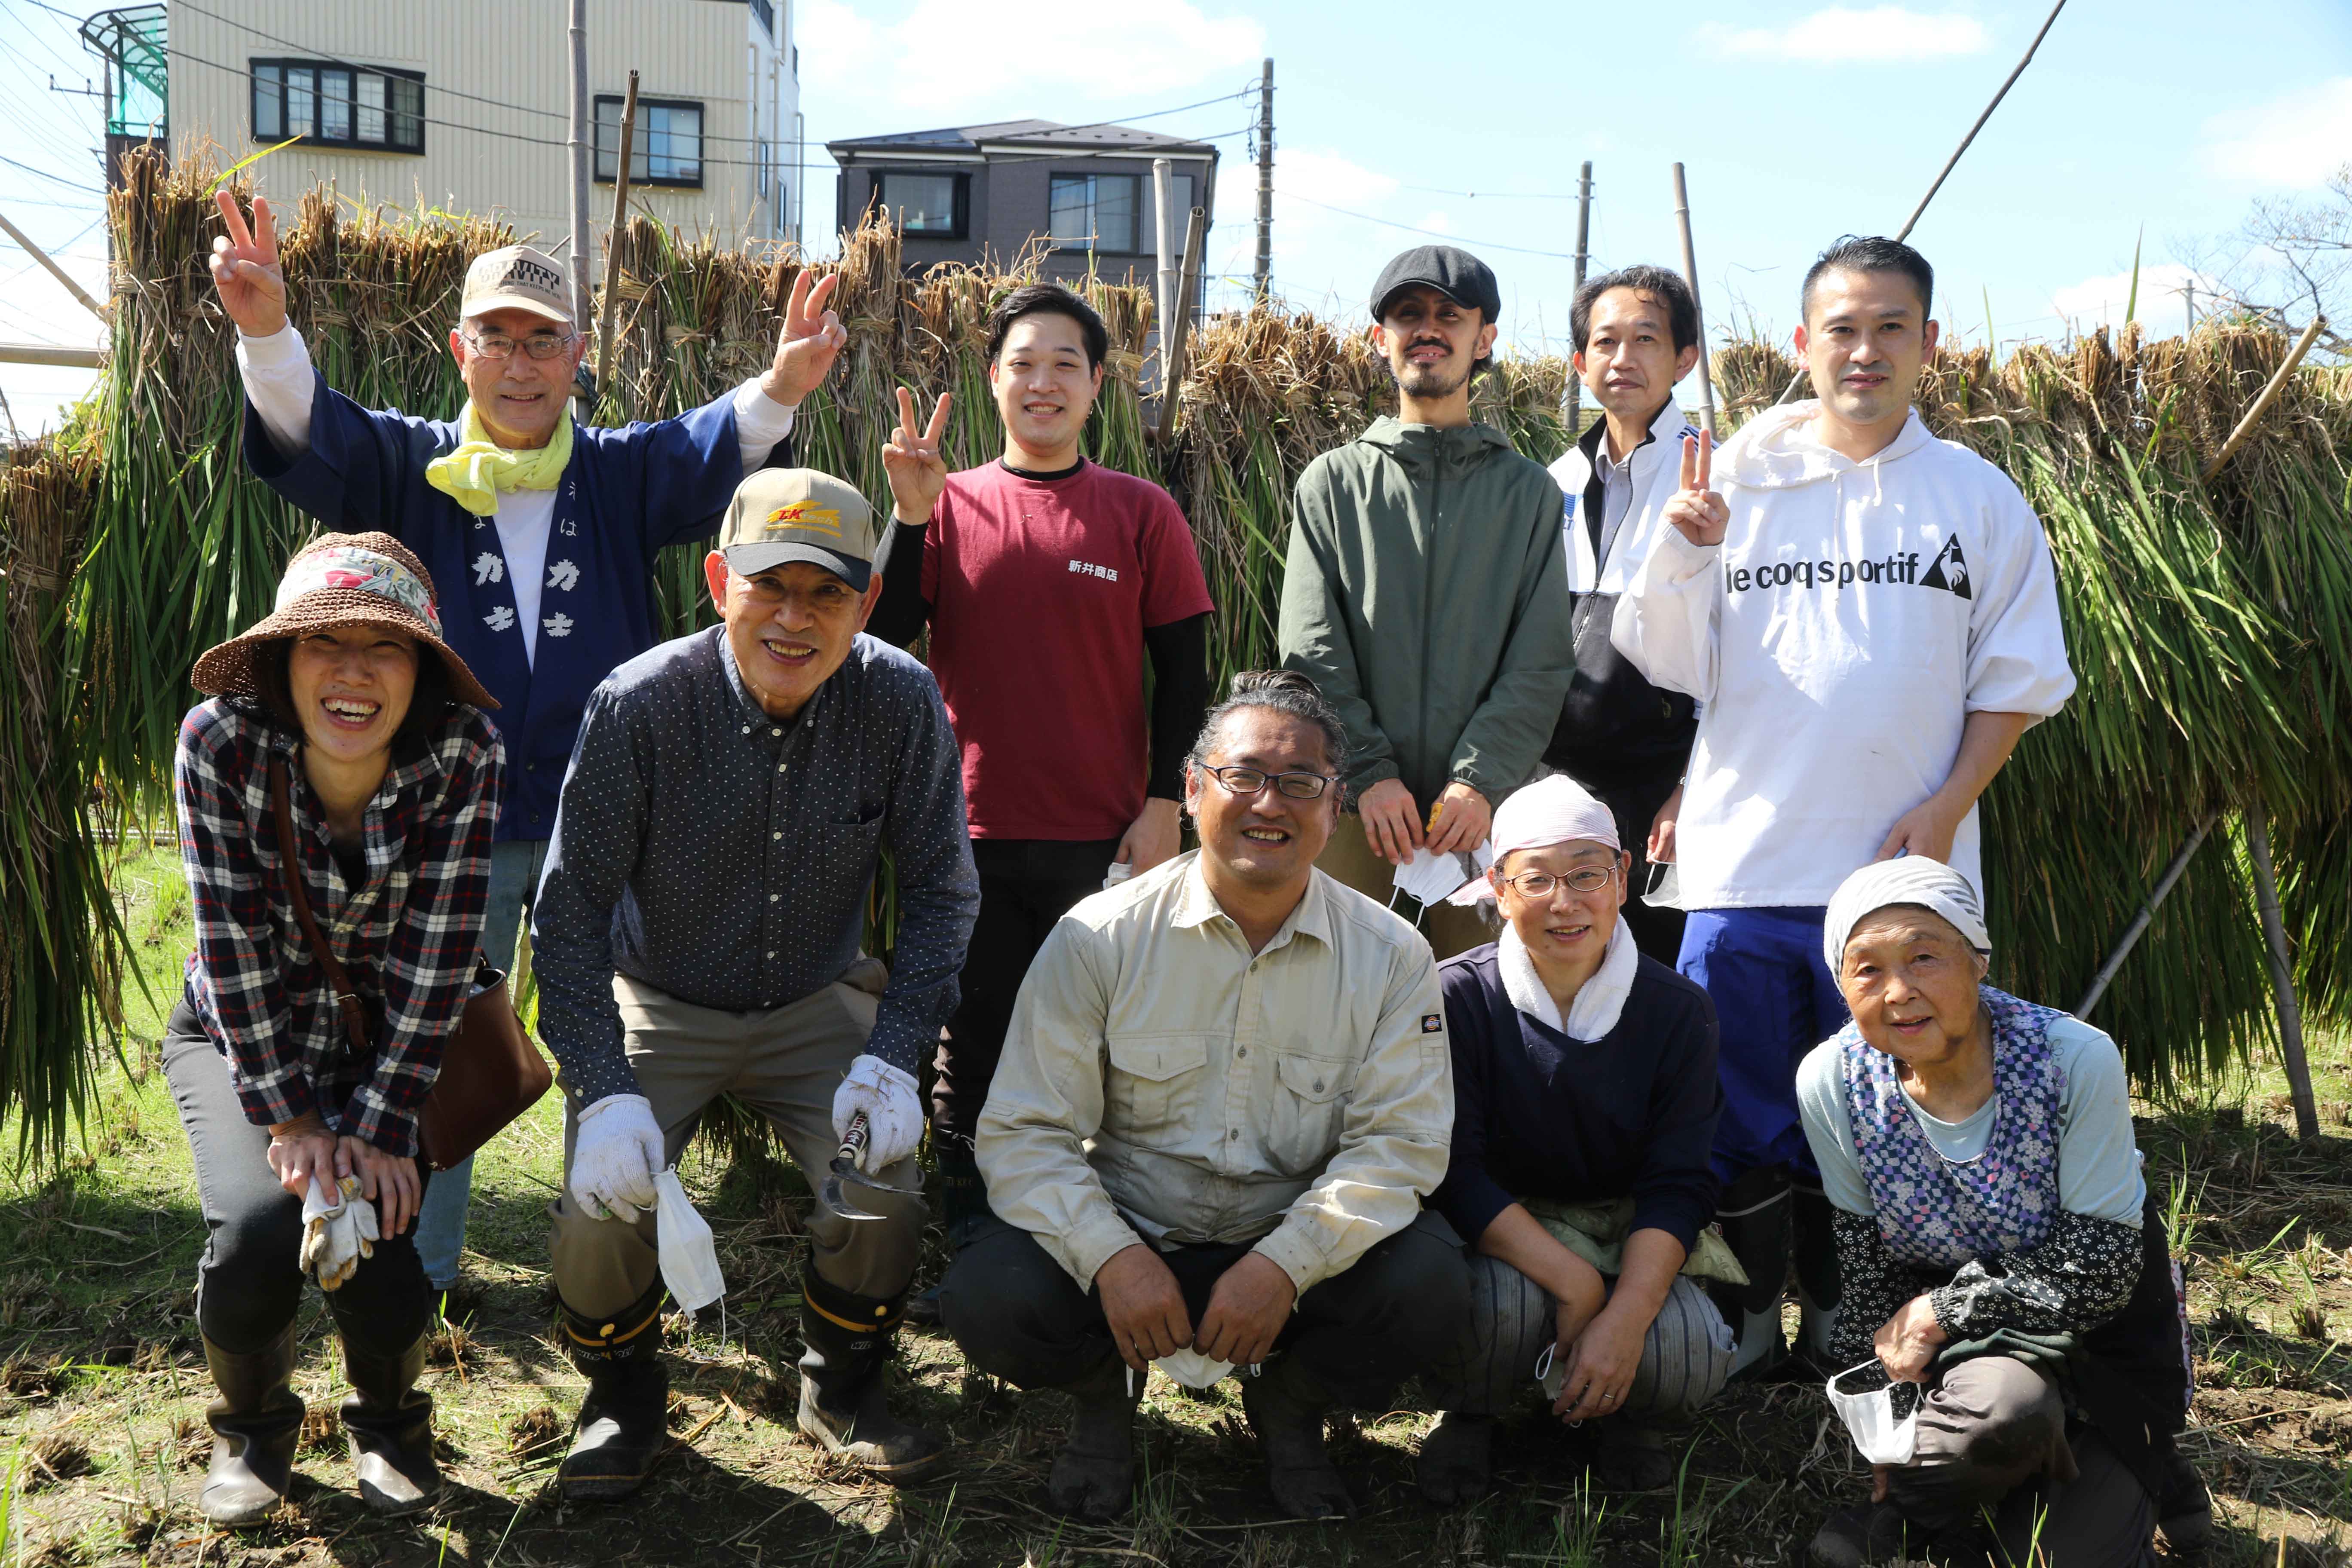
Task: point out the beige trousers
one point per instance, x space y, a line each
1349 857
784 1063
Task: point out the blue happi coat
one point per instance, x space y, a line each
627 493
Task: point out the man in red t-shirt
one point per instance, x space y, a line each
1045 579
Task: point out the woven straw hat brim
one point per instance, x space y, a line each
227 670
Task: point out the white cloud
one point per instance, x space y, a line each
1438 219
952 54
2161 308
1881 33
2297 140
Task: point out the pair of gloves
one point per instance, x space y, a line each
339 1229
617 1148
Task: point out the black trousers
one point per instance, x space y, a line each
249 1281
1634 803
1014 1312
1026 885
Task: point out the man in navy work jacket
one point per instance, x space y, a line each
540 533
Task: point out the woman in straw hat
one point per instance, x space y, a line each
1999 1249
1584 1105
346 700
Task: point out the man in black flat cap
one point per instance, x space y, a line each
1426 595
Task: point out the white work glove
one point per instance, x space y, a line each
894 1117
339 1229
616 1147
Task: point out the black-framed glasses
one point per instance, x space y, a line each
1538 885
1249 781
498 346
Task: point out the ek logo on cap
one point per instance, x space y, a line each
803 514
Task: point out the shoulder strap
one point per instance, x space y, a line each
288 857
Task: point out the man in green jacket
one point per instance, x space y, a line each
1426 595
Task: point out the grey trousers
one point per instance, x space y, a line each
1993 1446
1512 1319
785 1063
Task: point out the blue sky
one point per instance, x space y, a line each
1796 123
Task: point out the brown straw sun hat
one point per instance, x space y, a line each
341 580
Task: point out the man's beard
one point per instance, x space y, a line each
1432 380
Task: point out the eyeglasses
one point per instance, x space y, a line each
538 345
1583 879
1249 781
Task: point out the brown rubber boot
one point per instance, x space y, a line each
1457 1460
255 1423
1285 1410
843 1409
1094 1474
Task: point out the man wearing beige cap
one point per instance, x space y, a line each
540 533
697 933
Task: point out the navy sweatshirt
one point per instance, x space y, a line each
1538 1114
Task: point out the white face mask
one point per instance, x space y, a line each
1193 1370
1870 1419
689 1262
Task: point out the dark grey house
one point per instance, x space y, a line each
983 192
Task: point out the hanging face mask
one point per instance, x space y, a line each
1193 1370
1870 1418
689 1262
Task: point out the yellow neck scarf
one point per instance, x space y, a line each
475 473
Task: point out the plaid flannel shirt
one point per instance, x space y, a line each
408 937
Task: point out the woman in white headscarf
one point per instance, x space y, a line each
1585 1103
1998 1247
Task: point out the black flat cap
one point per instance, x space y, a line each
1456 274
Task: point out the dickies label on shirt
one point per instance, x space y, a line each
1432 1023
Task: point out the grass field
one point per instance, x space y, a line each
103 1388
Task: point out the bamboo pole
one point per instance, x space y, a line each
2271 389
2290 1014
1575 416
55 271
612 239
51 354
2132 932
1187 285
1690 275
576 38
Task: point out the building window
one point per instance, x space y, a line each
1115 212
339 105
667 149
765 14
926 207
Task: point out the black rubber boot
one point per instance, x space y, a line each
1873 1533
1286 1409
1818 1284
391 1427
2184 1508
625 1420
1094 1474
843 1409
255 1423
1457 1460
1632 1459
1754 1213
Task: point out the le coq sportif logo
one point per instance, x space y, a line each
1948 568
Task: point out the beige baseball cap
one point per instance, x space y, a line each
516 277
799 514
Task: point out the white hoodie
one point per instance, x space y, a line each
1853 618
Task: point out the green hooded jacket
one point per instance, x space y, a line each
1426 595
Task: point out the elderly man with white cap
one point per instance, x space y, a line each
1999 1248
540 534
698 934
1585 1100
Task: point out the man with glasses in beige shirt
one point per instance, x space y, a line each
1225 1092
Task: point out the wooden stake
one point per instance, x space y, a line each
2132 932
2290 1014
2271 389
1187 285
1690 275
604 366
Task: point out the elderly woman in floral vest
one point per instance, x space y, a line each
1999 1251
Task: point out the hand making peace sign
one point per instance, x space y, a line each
1698 511
813 337
244 266
918 471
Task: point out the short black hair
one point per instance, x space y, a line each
1871 253
1049 299
428 703
1682 307
1285 691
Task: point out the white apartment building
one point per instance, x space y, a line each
465 105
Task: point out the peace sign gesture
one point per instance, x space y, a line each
813 337
245 267
918 472
1698 511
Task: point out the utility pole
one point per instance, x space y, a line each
1583 237
1690 275
1266 182
581 314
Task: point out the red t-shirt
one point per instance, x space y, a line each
1039 592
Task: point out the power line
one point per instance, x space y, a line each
1433 233
60 179
1496 195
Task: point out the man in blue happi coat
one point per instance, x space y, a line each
540 534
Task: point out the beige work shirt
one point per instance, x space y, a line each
1161 1081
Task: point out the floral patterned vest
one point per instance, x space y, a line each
1937 1214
